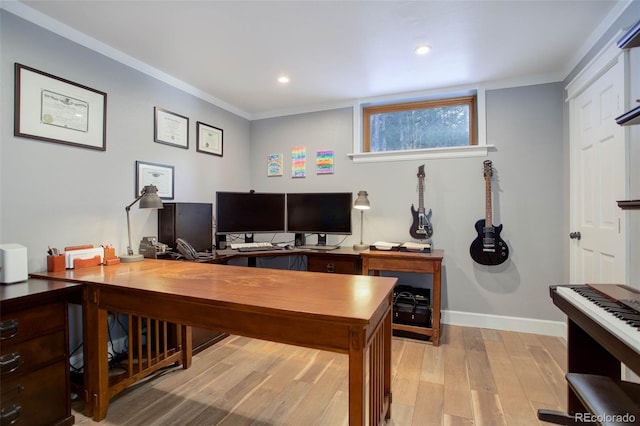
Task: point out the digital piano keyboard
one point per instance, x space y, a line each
609 315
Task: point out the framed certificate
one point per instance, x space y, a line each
53 109
159 175
170 128
209 139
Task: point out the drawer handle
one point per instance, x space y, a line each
10 415
9 363
8 329
331 267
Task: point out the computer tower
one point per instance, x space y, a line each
193 222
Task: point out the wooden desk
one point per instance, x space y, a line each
349 314
429 263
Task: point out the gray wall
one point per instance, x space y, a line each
53 194
525 125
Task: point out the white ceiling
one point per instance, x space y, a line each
231 52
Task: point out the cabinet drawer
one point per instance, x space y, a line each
332 265
25 324
22 357
39 398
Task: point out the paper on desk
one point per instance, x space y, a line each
411 246
384 245
86 253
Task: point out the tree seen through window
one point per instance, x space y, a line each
429 124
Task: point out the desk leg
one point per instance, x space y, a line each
387 329
187 343
87 322
435 338
96 370
102 391
357 375
365 266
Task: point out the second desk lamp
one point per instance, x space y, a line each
362 204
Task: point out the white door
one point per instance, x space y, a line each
598 173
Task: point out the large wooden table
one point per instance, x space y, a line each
348 314
427 263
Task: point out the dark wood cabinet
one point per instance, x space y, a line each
35 353
630 40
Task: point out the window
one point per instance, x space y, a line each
440 123
423 125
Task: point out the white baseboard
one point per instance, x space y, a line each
496 322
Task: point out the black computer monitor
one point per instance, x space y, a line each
249 213
319 213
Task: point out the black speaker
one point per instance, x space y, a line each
192 222
221 242
300 240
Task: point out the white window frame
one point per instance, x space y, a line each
479 150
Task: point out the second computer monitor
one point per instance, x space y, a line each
319 213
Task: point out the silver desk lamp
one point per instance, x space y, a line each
149 199
362 204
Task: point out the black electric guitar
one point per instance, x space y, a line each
488 248
421 228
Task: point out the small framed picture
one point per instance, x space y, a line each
274 164
170 128
209 139
159 175
52 109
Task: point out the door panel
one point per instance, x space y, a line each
598 144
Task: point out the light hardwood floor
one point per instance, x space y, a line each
476 376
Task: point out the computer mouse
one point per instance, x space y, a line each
288 247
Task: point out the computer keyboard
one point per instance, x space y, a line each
317 247
259 246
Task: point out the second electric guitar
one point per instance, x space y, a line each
488 248
421 228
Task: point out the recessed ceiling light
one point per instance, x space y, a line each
283 79
423 49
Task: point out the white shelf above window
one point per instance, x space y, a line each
421 154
